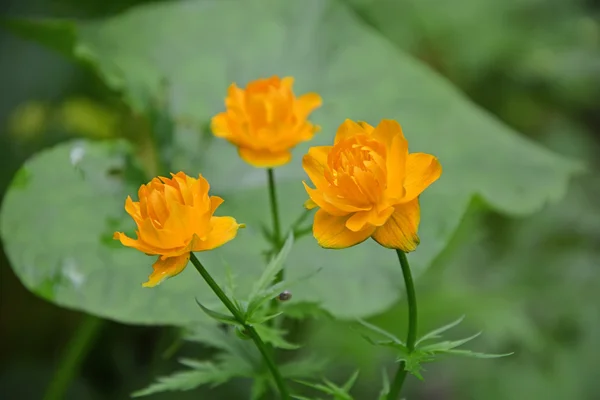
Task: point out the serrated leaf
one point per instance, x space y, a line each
307 367
380 331
272 269
447 345
303 309
272 291
275 337
217 316
436 333
472 354
225 338
256 320
202 373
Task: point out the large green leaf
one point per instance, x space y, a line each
198 48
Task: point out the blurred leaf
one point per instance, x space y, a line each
436 333
201 373
337 392
217 316
307 367
76 214
276 337
271 270
328 54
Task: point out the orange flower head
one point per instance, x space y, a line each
175 217
368 185
266 120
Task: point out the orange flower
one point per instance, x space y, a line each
367 185
266 120
174 217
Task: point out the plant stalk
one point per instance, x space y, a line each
411 337
249 329
72 357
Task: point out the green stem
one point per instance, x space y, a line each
274 209
411 337
276 234
249 329
73 356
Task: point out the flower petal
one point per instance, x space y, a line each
421 171
314 164
219 126
166 268
331 232
317 198
362 219
395 164
400 230
347 129
136 244
306 103
264 159
223 229
215 202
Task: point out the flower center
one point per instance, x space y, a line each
357 169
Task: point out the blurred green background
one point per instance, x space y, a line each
531 284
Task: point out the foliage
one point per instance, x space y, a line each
476 151
529 284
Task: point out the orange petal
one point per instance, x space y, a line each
421 171
314 164
167 268
264 159
400 231
133 209
347 129
223 229
136 244
219 125
368 128
360 220
331 232
287 81
215 201
318 198
396 160
306 103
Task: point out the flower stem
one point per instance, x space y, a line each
73 356
411 337
274 209
249 329
277 240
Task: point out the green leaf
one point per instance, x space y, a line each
275 337
227 341
333 53
338 392
272 269
392 342
217 316
472 354
436 333
385 389
201 373
447 345
307 367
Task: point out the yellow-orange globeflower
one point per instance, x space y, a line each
266 120
175 217
367 185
